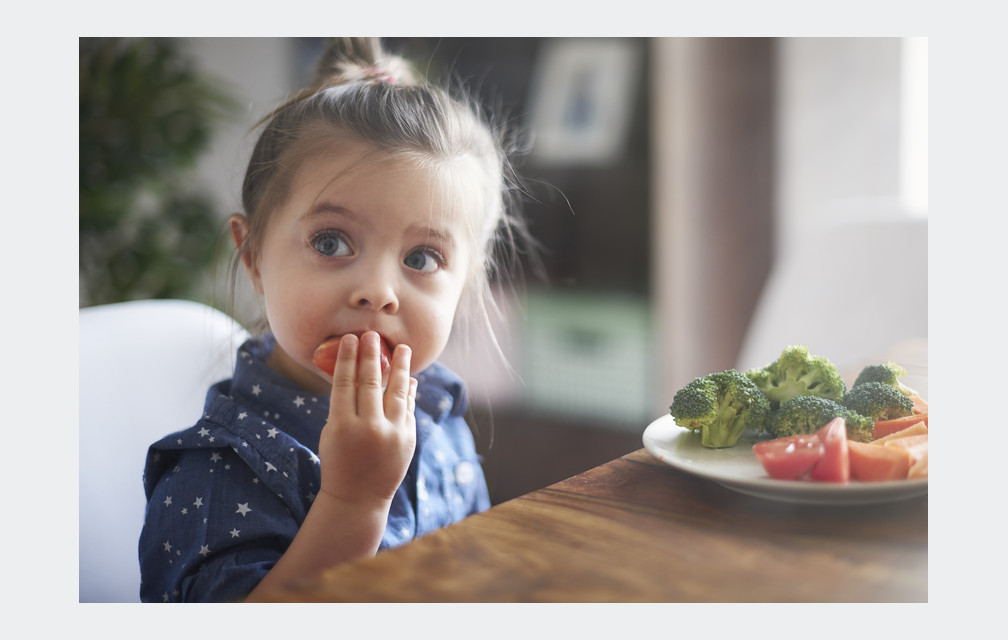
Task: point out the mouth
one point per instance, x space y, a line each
325 354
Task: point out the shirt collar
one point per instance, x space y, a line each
275 398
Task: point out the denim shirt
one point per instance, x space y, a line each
226 496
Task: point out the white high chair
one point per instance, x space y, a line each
145 367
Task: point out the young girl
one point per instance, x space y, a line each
372 205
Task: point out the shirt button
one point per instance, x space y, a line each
464 473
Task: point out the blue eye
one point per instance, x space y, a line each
331 244
426 260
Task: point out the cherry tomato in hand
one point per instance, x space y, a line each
325 356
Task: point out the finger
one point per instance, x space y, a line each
369 390
411 405
396 400
345 375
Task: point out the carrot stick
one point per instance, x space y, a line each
920 405
872 462
919 469
914 430
915 445
885 427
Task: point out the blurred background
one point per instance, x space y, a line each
701 203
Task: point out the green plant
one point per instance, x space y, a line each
146 115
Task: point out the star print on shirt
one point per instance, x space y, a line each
198 503
242 418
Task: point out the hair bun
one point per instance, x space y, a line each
361 60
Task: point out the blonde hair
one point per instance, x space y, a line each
362 93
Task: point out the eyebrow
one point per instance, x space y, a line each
444 237
325 208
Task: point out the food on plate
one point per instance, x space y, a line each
886 373
884 428
878 401
834 465
897 456
790 457
796 372
840 460
821 456
919 469
819 430
807 414
916 446
915 429
720 406
920 405
876 463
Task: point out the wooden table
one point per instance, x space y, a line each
636 530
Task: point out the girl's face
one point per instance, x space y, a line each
364 241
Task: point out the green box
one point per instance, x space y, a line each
589 356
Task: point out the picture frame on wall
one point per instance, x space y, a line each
582 98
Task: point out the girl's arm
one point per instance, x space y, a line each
364 452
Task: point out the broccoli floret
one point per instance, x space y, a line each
886 373
808 414
721 406
798 373
878 401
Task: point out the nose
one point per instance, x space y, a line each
375 290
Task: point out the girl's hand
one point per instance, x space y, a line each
368 442
365 449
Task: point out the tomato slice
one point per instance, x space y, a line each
834 465
790 457
325 355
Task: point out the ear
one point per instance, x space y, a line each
240 234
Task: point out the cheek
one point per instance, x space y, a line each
292 312
431 328
288 327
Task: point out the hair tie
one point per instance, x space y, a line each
375 74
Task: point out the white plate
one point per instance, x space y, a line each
738 469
